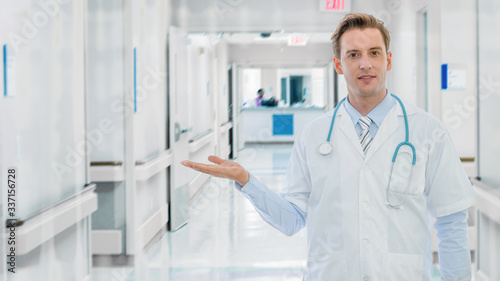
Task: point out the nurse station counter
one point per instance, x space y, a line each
274 124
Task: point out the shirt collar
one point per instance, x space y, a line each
377 114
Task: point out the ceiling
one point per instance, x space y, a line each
278 37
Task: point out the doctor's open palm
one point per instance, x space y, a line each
223 169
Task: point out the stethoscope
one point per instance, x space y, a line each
327 147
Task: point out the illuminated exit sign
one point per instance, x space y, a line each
297 40
335 5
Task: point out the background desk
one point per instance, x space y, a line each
274 125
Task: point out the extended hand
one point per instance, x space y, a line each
224 169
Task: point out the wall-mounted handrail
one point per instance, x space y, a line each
200 136
114 171
480 184
146 231
47 224
107 172
488 200
224 127
200 141
196 184
145 170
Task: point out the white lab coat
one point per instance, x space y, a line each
352 233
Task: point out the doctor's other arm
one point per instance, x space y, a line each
273 208
453 247
449 195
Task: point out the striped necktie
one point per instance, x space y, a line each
365 138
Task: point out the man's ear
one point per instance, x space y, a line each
338 69
389 61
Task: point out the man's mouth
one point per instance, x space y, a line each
366 77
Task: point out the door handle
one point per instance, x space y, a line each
178 131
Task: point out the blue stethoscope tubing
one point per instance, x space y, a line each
327 147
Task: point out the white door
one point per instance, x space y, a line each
178 103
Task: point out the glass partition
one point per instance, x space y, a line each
292 87
43 112
106 106
489 91
150 121
105 79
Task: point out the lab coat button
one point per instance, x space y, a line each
364 204
365 242
365 168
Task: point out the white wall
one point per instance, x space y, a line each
269 80
451 37
250 83
201 109
221 91
318 89
489 91
402 25
43 136
459 107
150 118
222 56
314 54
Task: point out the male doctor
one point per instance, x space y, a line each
364 222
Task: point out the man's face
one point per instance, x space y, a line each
364 61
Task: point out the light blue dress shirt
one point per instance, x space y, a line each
454 253
377 114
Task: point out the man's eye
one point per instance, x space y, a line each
352 55
375 53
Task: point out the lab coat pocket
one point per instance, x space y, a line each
397 267
406 178
323 265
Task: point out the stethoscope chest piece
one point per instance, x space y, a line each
325 148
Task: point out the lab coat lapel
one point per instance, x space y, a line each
346 126
387 128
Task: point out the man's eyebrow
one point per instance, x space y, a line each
371 49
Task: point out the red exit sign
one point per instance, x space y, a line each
297 40
334 5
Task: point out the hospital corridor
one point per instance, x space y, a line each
265 140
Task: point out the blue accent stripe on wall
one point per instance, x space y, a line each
135 80
444 76
5 70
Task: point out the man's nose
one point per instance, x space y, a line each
364 63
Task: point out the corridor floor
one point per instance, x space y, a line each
225 239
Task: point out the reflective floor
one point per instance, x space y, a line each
225 238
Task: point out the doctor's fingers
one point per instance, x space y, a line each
215 159
213 170
225 163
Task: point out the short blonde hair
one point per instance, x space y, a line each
361 21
